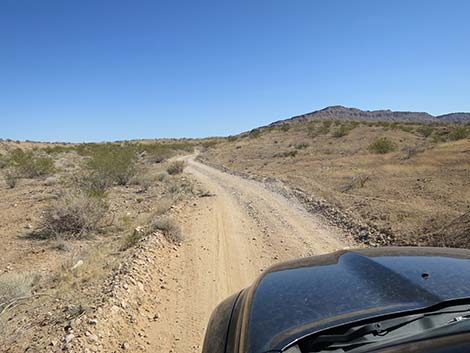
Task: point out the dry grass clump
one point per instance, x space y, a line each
132 239
382 145
176 167
15 285
73 215
163 206
144 179
11 177
163 176
168 226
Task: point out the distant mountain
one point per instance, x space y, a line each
343 113
455 118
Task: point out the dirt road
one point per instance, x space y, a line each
231 237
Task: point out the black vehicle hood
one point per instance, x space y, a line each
299 298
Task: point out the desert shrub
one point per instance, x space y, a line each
3 161
425 130
168 226
286 154
112 164
74 214
255 133
144 179
358 181
93 184
15 285
325 127
209 144
11 177
163 206
232 138
410 151
343 130
162 176
405 128
57 149
382 145
176 167
132 239
311 128
285 127
159 156
301 146
458 133
29 164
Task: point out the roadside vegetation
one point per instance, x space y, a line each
83 208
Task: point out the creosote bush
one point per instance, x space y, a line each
343 130
29 164
459 133
382 145
74 214
425 130
112 164
176 167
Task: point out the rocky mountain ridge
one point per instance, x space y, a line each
348 114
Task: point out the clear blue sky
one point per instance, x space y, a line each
92 70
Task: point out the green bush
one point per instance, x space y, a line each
209 144
57 149
29 164
382 145
325 127
232 138
3 161
111 164
343 130
176 167
425 130
458 133
312 130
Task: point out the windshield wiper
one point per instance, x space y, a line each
349 339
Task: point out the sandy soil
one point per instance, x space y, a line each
232 235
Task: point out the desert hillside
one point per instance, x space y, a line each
128 246
407 183
340 113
